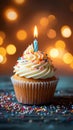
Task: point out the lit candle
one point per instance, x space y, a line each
35 42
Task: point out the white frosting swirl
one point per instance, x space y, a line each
34 65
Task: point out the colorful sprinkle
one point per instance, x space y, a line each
10 109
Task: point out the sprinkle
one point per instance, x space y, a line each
19 58
30 121
10 110
41 68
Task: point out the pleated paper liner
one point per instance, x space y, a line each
34 92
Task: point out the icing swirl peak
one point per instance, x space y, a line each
36 65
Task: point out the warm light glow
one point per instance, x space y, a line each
44 21
1 40
71 65
2 34
21 35
2 51
35 32
51 33
4 60
54 53
11 14
19 1
52 19
66 31
68 58
60 44
11 49
1 58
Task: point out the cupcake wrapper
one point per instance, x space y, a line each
34 92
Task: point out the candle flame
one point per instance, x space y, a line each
35 32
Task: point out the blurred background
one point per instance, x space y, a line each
54 19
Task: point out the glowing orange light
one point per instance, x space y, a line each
11 14
2 51
68 58
44 21
11 49
60 44
66 31
1 58
21 35
2 35
71 65
54 53
4 60
35 31
19 1
52 19
1 40
51 33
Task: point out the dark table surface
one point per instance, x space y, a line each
56 115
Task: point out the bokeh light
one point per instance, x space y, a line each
66 31
1 40
19 1
44 21
11 49
71 65
2 51
60 44
51 34
52 19
54 53
1 58
68 58
4 60
21 35
11 14
2 34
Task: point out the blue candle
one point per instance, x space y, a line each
35 43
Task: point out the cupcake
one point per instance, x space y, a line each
33 80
